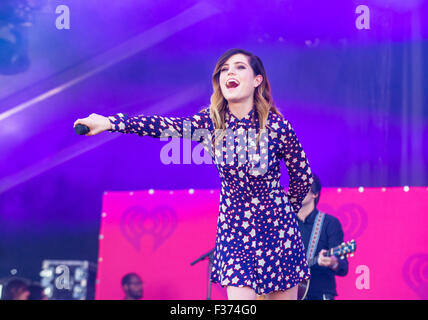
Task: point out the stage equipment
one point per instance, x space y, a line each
68 279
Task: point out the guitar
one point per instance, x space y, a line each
346 248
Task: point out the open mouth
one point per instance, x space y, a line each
232 83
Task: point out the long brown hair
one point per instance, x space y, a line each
262 93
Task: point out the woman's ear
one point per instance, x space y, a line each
258 80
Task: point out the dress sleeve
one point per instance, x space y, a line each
297 165
159 126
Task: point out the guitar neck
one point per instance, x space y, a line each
345 249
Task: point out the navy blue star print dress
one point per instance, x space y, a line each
258 243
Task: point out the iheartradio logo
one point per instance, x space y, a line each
415 274
352 216
137 222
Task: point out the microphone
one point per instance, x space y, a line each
81 129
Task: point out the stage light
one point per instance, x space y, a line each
47 273
68 279
79 292
80 274
48 291
16 17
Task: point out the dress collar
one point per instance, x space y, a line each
246 119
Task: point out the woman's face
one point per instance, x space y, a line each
237 79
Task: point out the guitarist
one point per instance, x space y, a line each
322 285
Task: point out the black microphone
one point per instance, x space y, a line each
81 129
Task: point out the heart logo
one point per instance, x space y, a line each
415 274
137 222
353 217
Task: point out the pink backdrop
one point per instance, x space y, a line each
157 234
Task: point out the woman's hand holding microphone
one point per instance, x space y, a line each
92 125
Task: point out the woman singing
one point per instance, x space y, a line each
258 245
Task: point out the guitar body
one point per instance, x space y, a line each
345 249
302 289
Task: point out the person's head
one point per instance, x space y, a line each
240 76
132 286
16 289
313 196
36 292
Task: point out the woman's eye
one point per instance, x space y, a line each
225 69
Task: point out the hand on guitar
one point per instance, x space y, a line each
331 262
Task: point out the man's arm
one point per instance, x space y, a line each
334 237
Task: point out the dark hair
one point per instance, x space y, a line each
36 292
316 187
13 287
126 279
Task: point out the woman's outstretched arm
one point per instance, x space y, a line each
154 126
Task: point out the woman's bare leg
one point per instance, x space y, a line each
241 293
290 294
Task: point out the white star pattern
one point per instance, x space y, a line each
275 126
246 196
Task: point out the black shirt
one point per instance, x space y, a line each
323 278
